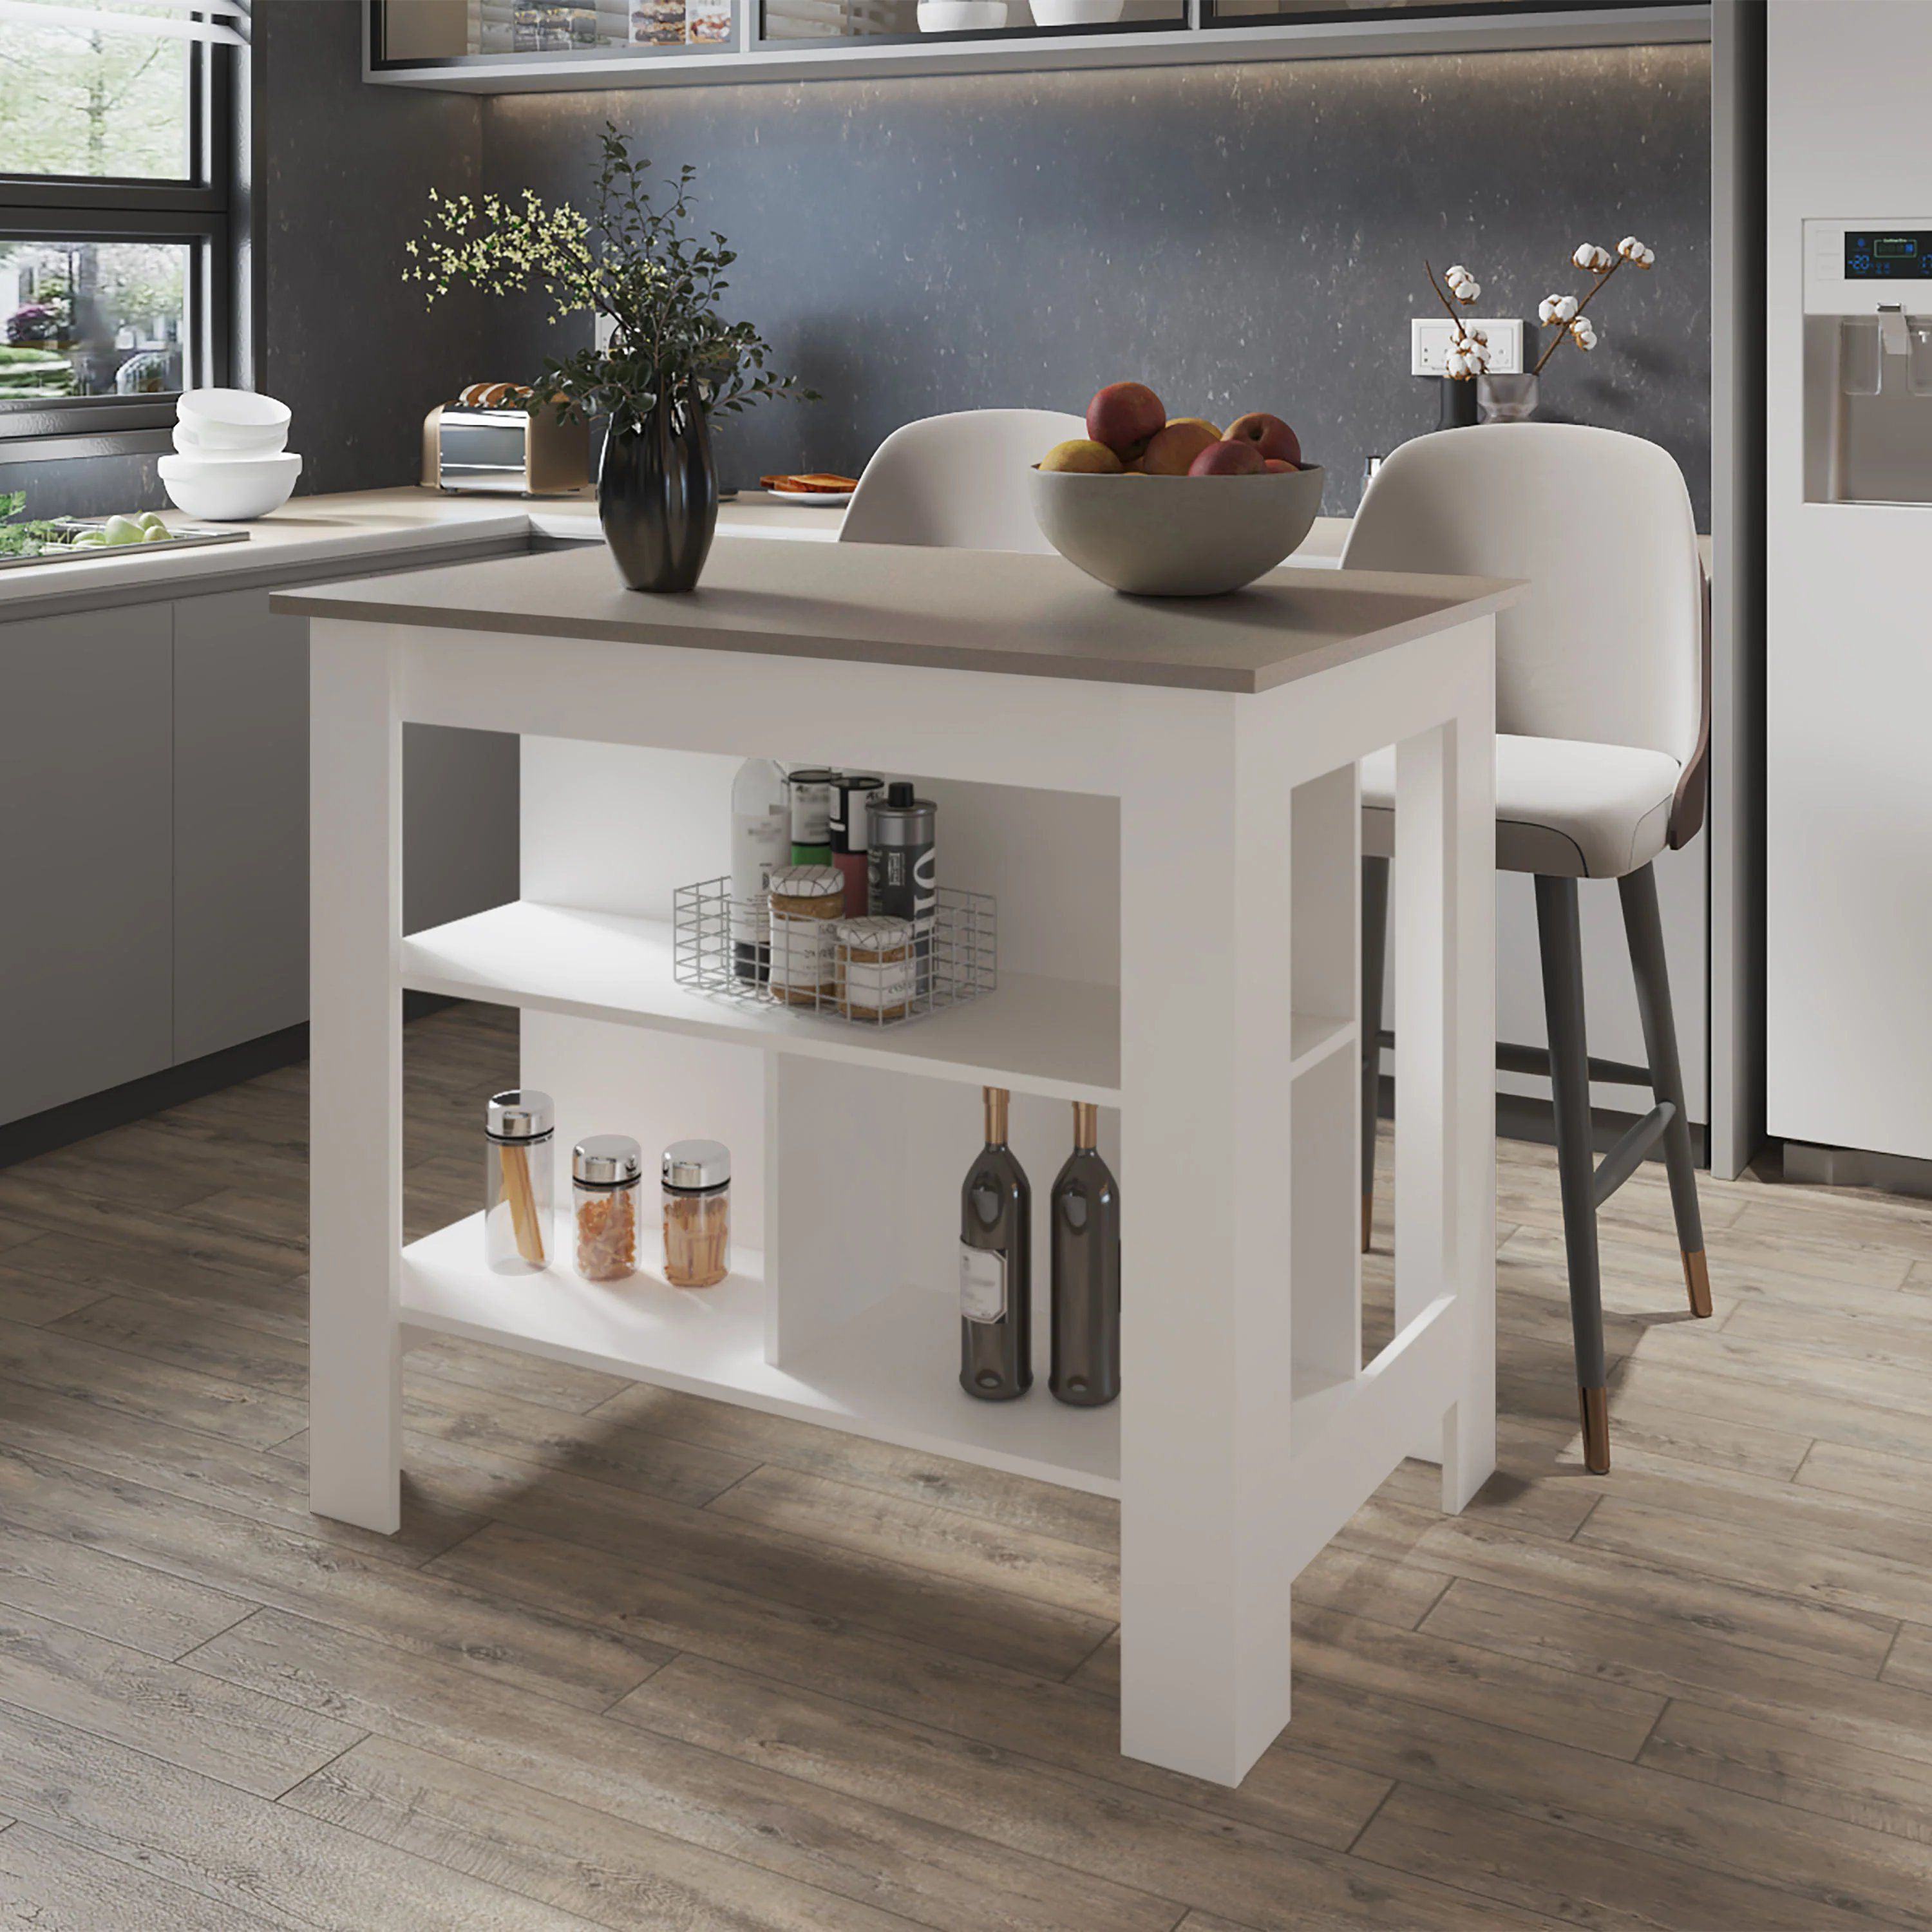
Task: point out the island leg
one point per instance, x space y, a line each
1206 1510
1444 1030
355 1080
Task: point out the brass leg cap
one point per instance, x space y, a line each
1368 1222
1697 1280
1595 1404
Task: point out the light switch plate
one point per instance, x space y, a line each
1430 336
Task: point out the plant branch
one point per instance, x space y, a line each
1563 329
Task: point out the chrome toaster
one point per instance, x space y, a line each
485 442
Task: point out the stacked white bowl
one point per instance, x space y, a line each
229 464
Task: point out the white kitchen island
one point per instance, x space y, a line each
1163 794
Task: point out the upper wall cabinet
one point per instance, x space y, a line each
511 46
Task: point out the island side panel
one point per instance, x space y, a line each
1205 1031
356 1081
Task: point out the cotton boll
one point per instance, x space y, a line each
1467 290
1584 332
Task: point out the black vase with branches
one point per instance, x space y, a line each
666 360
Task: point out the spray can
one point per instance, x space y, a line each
851 794
903 876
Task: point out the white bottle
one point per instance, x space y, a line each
760 841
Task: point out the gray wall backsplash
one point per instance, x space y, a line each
346 169
1241 237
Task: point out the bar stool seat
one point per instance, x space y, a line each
1566 808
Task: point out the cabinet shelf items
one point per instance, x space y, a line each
516 46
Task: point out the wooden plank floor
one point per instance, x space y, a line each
638 1661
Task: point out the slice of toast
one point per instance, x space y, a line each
813 483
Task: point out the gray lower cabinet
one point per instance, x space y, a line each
241 753
241 821
86 970
154 870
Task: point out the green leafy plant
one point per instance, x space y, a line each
26 539
635 262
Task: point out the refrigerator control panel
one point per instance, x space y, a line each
1857 268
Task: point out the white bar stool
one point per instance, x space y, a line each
1602 722
957 481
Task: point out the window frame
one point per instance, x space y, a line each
199 210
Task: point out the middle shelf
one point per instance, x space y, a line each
1034 1034
1060 1038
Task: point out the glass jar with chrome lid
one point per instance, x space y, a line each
606 1173
696 1213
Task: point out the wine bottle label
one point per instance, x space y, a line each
982 1284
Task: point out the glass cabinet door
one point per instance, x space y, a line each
427 33
1308 12
788 21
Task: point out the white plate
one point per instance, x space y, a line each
824 500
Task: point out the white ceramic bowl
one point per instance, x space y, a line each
236 419
962 16
226 440
1175 536
230 489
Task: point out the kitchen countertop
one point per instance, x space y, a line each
980 611
333 535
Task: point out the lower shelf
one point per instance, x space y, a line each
890 1373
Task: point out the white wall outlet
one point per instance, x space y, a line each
1429 336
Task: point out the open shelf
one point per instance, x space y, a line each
889 1373
1060 1038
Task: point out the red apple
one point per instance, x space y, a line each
1228 458
1277 467
1124 416
1270 435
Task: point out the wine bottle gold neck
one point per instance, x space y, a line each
1086 1126
996 1116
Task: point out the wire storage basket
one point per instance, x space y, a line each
872 973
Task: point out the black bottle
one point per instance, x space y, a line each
996 1267
1086 1272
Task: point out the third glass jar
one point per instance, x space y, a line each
697 1214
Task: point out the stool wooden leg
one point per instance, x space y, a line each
1644 927
1375 947
1562 947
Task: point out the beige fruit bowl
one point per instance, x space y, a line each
1175 536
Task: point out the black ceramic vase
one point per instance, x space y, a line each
657 496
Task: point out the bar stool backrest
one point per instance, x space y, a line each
1607 646
957 481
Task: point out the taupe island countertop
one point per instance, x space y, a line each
983 610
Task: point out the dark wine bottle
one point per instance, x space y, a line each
996 1267
1086 1260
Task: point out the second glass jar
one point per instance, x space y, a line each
605 1173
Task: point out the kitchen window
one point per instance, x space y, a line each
116 166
